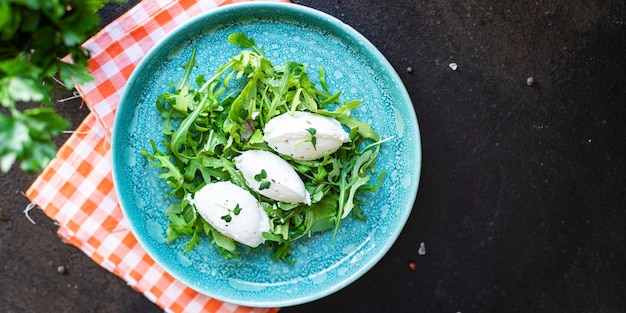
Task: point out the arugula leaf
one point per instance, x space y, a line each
223 241
342 114
242 41
170 172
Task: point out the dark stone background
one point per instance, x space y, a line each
522 200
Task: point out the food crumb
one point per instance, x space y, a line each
453 66
61 269
4 215
409 69
530 81
412 266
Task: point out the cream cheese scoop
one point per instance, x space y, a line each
233 211
272 176
292 135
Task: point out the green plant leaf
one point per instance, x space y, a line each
35 36
24 89
13 138
44 122
70 72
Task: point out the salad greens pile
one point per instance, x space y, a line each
211 120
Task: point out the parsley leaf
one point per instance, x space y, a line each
34 37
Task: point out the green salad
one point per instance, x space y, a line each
210 122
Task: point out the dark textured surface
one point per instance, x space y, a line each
522 200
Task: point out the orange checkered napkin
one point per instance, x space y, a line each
76 189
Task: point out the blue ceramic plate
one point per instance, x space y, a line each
355 67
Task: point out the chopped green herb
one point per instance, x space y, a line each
227 218
262 178
264 185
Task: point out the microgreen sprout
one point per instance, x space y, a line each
262 178
228 217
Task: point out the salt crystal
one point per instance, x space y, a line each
422 249
453 66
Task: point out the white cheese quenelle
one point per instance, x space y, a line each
292 135
233 211
272 176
